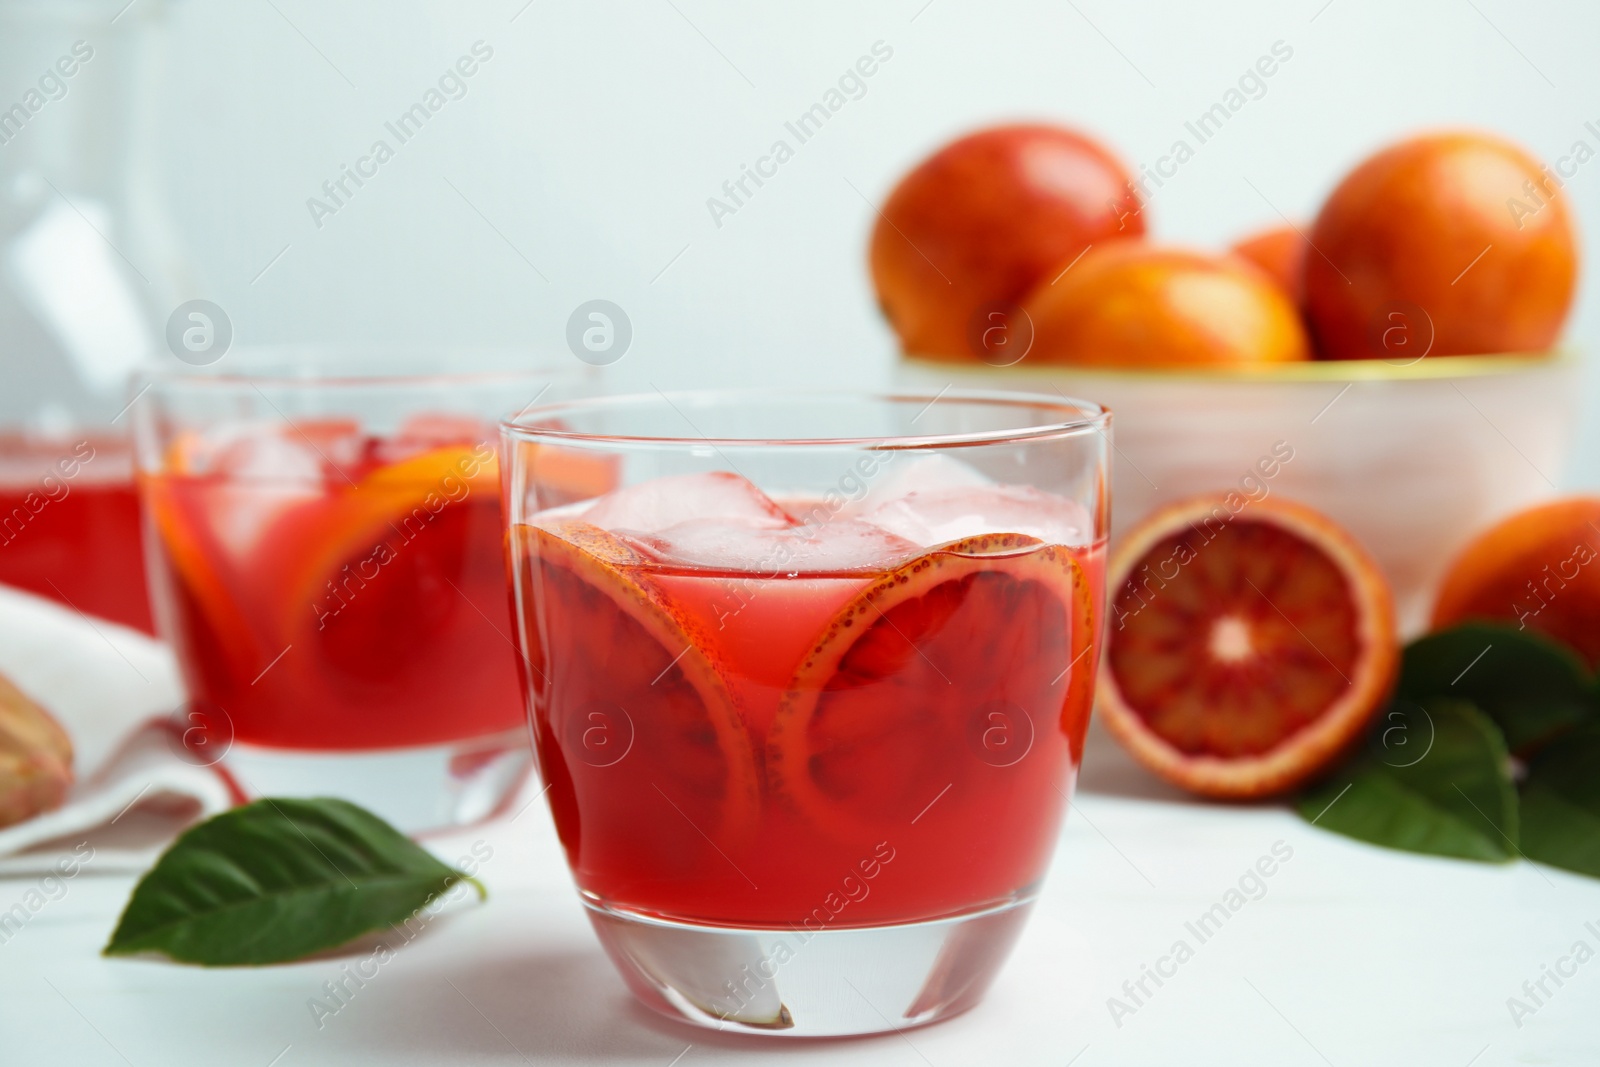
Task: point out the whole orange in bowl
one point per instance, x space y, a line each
1135 305
1538 569
1462 235
1248 644
1281 253
982 220
1210 361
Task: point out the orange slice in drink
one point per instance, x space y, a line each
189 546
1245 651
224 494
266 539
941 677
356 528
640 742
402 497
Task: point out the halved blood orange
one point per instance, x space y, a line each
644 749
1246 649
919 683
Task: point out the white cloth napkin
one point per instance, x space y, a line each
115 691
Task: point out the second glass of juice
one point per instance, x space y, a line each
809 686
326 558
69 523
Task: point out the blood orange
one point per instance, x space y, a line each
617 645
1129 304
986 218
1246 649
1463 227
942 676
1281 252
1533 569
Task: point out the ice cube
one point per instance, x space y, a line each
264 472
653 506
914 475
936 516
249 451
841 545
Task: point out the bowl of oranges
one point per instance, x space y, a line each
1394 362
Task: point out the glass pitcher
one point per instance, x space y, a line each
87 265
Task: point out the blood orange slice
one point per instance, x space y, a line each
1244 651
645 753
190 548
394 503
941 677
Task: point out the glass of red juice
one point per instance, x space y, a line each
326 559
809 685
69 523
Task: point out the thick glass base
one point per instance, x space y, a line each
800 982
414 789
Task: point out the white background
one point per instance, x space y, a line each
593 138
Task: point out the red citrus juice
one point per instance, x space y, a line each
790 742
69 526
328 589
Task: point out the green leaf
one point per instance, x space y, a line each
1533 687
277 880
1444 788
1561 804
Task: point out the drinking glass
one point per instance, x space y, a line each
809 685
325 556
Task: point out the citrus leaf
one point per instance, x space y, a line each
1454 799
1561 804
277 880
1532 686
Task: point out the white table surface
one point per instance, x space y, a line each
1354 955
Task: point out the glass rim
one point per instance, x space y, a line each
1086 416
281 375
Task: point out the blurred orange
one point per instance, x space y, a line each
1464 228
1538 569
1281 253
1129 304
982 220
